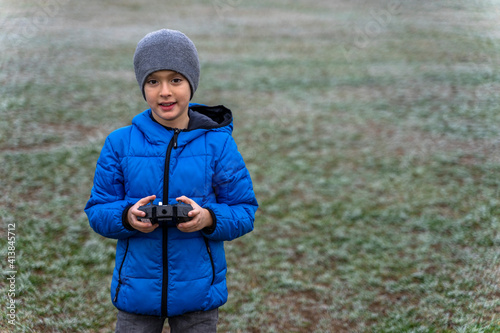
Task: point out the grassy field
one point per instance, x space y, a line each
370 129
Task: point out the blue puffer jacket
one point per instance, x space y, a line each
168 272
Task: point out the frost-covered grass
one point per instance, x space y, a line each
370 129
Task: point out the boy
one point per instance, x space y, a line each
173 152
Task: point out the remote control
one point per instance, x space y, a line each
169 215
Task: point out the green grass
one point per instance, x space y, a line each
375 160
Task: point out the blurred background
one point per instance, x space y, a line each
370 129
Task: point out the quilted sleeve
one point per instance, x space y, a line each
106 204
236 203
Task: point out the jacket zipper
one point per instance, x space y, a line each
164 296
171 144
211 260
120 273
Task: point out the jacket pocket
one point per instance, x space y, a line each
209 251
120 272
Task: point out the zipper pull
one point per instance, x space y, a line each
176 134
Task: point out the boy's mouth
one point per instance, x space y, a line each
167 106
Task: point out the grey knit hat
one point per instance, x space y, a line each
166 50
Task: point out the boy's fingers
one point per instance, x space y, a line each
144 226
142 202
145 200
187 225
193 213
185 199
135 210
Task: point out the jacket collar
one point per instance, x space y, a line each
202 118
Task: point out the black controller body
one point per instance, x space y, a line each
166 215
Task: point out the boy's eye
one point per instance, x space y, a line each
176 80
152 81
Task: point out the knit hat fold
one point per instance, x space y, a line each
167 49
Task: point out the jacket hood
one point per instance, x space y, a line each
202 118
209 117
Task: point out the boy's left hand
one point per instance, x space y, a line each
201 218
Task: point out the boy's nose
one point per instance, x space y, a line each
165 90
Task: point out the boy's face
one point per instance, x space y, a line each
168 94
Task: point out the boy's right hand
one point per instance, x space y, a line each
134 211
